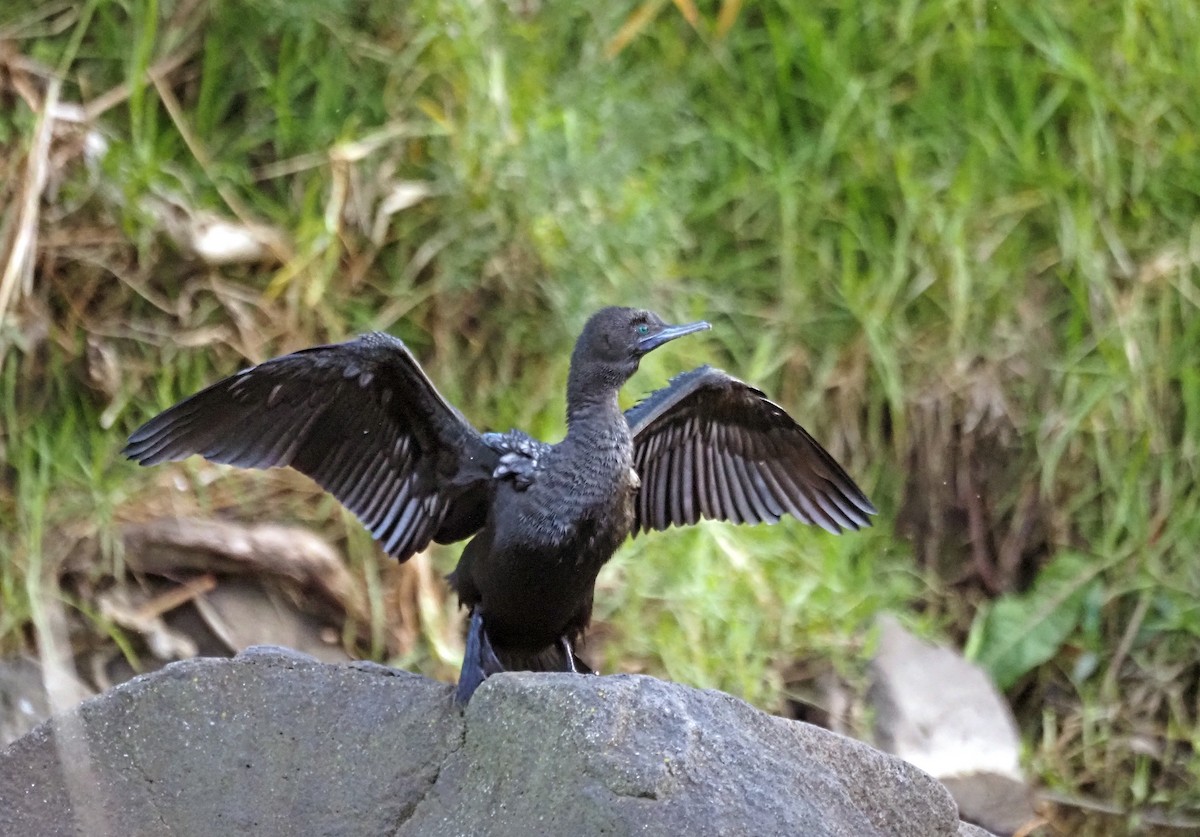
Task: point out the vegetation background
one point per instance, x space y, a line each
959 239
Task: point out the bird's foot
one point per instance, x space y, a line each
479 660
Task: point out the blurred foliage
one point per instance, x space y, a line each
958 239
1017 633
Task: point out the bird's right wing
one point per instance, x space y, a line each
709 445
361 418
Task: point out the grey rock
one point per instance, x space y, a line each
266 744
24 702
561 754
943 713
273 743
1000 803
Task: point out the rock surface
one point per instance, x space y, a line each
273 742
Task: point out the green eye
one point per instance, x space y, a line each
643 329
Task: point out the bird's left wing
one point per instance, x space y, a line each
361 418
708 445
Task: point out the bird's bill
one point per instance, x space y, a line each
653 341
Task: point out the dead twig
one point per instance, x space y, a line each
18 268
171 545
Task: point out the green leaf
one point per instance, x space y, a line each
1020 632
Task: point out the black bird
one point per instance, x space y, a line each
363 420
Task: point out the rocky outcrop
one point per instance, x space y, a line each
276 743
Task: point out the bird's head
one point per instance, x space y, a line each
615 340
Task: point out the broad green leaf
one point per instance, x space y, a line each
1020 632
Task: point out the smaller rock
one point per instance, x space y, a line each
999 802
23 700
942 713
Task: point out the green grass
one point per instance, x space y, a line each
956 239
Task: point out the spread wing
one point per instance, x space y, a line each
361 419
709 445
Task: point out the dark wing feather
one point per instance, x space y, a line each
361 419
709 445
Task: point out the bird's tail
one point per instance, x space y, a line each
551 658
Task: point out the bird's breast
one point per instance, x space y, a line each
580 508
549 543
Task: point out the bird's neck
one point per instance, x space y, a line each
592 399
